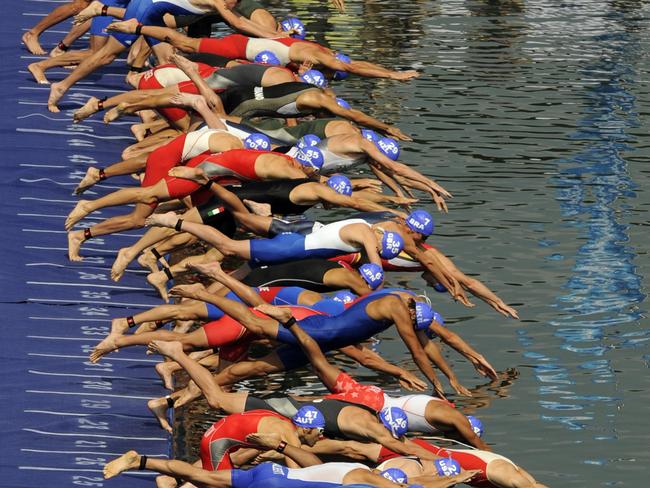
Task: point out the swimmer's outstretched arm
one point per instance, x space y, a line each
328 195
474 286
164 34
322 101
243 24
433 353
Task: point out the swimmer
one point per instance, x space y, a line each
148 12
61 56
59 14
286 49
237 163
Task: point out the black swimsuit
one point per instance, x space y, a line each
251 101
307 273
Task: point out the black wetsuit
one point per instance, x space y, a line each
209 59
276 100
275 193
306 273
288 406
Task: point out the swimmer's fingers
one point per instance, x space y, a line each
460 389
504 309
398 134
440 202
465 476
339 5
411 382
483 367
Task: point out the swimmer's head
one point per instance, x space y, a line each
440 288
310 423
310 157
370 134
314 77
391 245
343 103
389 147
395 420
257 141
294 24
308 140
267 57
340 184
345 59
344 296
476 424
422 314
420 222
372 274
446 467
395 475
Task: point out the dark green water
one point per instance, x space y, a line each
532 113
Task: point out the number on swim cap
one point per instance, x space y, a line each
292 23
389 147
395 420
395 475
308 140
267 57
420 221
447 467
340 184
372 274
391 245
314 77
257 141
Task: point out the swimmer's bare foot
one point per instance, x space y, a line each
159 281
125 26
145 327
56 92
211 269
277 313
183 326
404 75
266 440
148 260
57 51
190 393
119 326
128 460
263 209
75 239
124 257
32 44
183 63
133 78
38 73
91 178
90 107
168 219
114 113
158 407
166 372
92 10
188 100
165 481
78 213
193 174
170 349
105 347
139 132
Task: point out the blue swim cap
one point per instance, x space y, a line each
420 221
267 57
308 140
438 318
423 315
293 23
314 77
311 156
446 467
344 58
395 420
344 296
369 134
257 141
440 288
391 245
395 475
477 425
309 417
343 103
340 184
373 274
389 147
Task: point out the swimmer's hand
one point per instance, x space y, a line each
483 367
410 382
263 440
368 184
505 310
439 201
462 477
192 291
339 5
460 389
397 134
438 390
